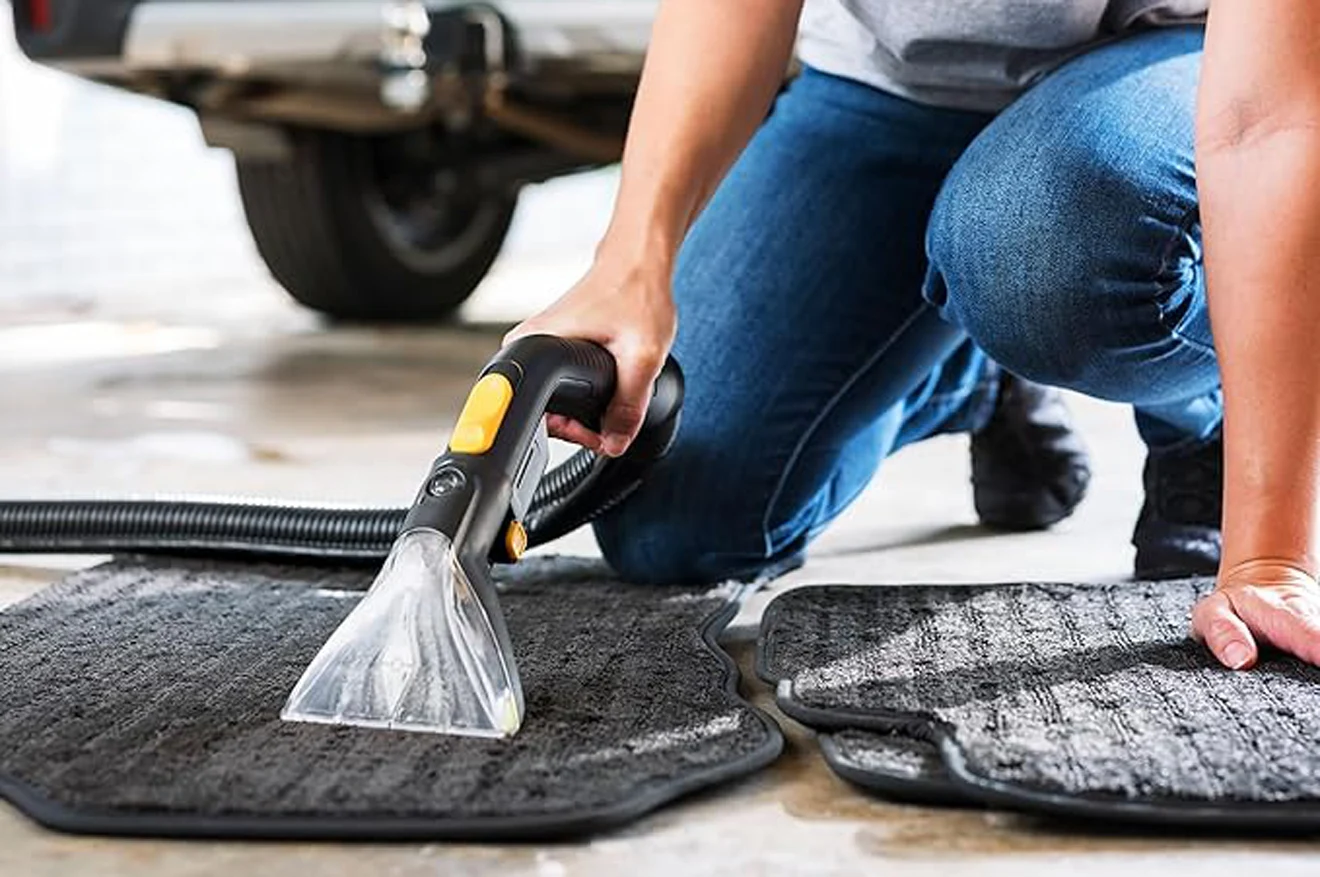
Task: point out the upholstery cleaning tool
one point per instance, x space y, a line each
569 496
427 648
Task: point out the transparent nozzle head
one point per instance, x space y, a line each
418 653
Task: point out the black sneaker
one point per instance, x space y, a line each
1029 466
1177 533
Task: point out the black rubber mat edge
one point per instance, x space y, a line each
648 797
943 792
927 791
1235 817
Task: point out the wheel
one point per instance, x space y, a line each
362 228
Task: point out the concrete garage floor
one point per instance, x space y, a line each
143 350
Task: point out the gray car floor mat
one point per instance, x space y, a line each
1073 700
893 763
142 697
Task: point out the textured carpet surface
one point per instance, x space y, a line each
891 754
898 766
143 696
1078 691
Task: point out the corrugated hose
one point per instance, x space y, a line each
564 501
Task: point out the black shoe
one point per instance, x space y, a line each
1177 534
1029 466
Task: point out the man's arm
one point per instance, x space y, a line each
712 70
1258 171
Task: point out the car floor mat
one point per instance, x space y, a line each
1073 700
142 697
894 764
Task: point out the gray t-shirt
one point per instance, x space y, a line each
968 54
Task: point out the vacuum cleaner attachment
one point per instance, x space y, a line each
419 653
427 648
569 496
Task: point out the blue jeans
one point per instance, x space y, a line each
868 265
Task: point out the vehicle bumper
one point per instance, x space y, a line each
242 36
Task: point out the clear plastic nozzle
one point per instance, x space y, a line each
417 654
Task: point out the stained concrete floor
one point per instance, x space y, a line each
144 350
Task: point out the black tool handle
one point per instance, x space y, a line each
467 495
578 376
586 485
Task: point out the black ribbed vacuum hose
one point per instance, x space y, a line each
569 496
268 531
185 526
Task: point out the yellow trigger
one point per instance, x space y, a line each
481 416
515 540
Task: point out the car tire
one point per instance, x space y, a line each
353 228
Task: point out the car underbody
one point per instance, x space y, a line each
379 144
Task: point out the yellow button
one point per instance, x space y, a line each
515 540
482 414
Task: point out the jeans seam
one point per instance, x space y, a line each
824 412
1183 228
1193 441
977 387
982 393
